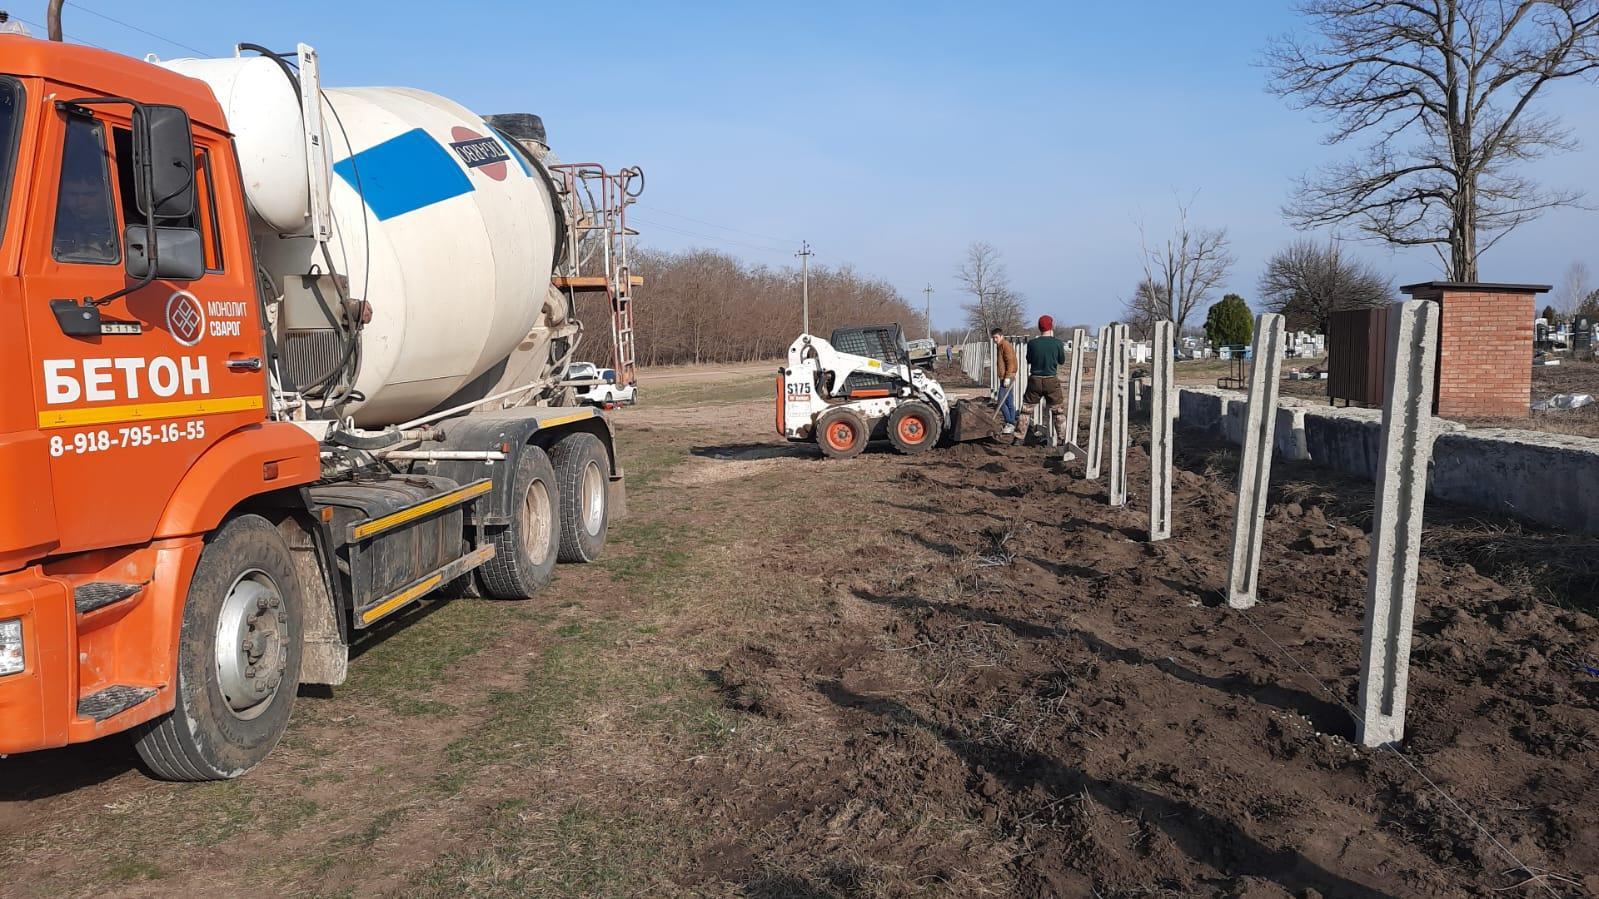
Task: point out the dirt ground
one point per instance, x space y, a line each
961 674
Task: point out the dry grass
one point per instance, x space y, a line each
1026 723
1561 569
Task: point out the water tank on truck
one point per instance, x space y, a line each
447 230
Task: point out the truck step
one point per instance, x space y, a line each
112 700
88 597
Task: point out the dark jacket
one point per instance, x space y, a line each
1044 356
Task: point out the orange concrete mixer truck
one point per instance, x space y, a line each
276 362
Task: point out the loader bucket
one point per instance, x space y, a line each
974 420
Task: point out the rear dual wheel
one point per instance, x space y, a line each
526 549
560 510
583 472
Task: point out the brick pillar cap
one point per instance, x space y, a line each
1474 286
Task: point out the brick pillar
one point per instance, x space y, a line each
1484 347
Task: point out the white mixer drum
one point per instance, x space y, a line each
442 226
263 112
447 231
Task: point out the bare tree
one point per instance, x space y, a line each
995 304
1308 281
1007 309
1589 306
1574 287
1186 266
1148 304
1445 91
707 306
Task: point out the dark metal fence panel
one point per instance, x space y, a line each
1356 355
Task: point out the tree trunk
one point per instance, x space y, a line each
1463 245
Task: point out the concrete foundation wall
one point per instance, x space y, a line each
1549 479
1223 412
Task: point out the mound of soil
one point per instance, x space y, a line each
1014 693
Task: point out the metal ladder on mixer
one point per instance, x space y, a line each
597 234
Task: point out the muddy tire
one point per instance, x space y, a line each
238 658
914 428
525 550
467 585
583 472
842 434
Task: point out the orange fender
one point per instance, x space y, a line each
249 462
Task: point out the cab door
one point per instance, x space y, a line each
175 366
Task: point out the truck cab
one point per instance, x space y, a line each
184 539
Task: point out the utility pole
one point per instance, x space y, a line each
929 291
805 255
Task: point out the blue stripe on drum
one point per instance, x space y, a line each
404 174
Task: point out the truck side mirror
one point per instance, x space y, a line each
181 256
163 132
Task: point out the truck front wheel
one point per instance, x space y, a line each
238 658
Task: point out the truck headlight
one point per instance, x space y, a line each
11 660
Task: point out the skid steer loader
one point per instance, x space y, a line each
861 385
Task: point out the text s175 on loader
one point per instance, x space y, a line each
843 400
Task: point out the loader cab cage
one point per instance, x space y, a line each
10 133
883 342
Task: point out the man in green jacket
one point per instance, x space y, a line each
1045 355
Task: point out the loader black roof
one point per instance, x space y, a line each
885 342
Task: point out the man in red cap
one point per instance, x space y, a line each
1045 355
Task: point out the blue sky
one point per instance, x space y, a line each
889 135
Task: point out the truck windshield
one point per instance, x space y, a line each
10 124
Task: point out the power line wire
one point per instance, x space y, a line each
159 37
1470 818
45 30
711 237
1534 876
686 218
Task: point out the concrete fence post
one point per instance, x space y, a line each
1096 412
1406 450
1160 433
1117 366
1254 463
1074 386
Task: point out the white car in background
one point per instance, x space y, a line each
922 352
597 386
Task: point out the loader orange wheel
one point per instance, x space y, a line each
842 434
914 428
